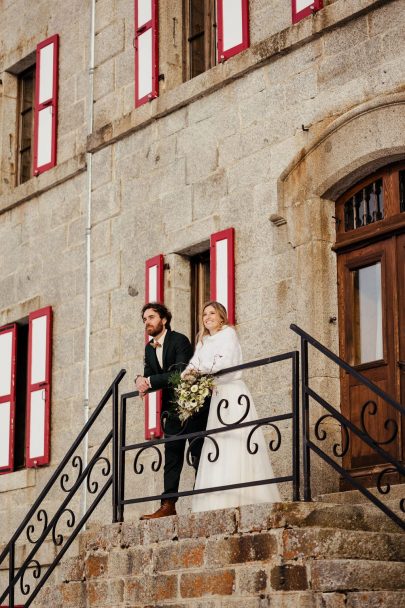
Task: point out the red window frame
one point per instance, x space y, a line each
313 7
151 24
45 385
11 397
158 261
223 55
52 101
229 236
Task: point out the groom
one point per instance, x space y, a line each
166 352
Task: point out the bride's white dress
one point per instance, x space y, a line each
234 463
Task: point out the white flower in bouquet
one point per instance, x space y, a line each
191 390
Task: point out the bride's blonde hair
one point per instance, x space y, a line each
223 315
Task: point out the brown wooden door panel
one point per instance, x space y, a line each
368 341
378 419
401 332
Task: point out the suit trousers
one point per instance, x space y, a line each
174 450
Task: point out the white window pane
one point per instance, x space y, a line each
152 295
222 272
6 346
44 136
145 64
46 73
232 20
301 4
38 350
37 424
368 314
144 12
152 400
5 412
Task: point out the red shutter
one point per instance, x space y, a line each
8 354
39 387
153 293
222 261
146 51
303 8
46 105
233 27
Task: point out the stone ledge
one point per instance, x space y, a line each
44 182
284 42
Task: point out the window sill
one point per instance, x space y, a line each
45 181
17 480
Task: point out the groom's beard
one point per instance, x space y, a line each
154 331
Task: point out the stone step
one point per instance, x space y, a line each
315 514
329 543
356 575
396 493
372 599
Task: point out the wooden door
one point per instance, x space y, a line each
369 336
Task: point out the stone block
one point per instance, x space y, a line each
125 70
176 205
109 42
129 562
101 239
105 593
106 273
96 565
179 556
104 78
199 145
150 588
375 599
241 549
251 580
289 577
104 14
207 194
73 594
336 575
199 584
205 524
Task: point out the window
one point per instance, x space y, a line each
376 201
303 8
200 288
200 36
25 380
26 92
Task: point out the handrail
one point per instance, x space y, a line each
348 368
49 524
391 464
155 444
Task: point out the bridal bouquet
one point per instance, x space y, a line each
191 390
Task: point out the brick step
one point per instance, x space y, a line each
356 575
307 599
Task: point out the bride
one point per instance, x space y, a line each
218 348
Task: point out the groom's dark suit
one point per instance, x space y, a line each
177 352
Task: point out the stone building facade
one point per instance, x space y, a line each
265 142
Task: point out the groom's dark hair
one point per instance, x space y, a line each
161 309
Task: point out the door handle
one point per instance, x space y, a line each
401 364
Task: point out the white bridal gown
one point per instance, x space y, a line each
234 464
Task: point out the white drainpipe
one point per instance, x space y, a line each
88 250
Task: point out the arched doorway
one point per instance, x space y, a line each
370 247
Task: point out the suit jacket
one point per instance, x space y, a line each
177 352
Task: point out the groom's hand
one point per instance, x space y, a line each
142 385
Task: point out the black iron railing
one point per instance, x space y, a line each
349 430
27 578
155 446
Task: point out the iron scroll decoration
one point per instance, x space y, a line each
212 456
224 403
77 463
36 573
93 486
58 539
371 408
41 516
384 487
156 464
339 450
274 444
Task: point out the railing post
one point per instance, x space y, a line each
306 457
121 458
11 571
115 448
296 426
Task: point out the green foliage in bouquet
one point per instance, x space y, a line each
191 390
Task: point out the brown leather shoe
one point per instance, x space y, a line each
168 507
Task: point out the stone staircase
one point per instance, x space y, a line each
289 555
